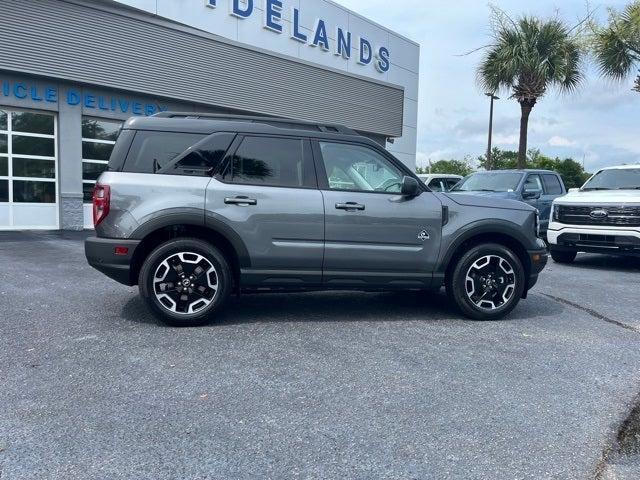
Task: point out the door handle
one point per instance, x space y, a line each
241 201
349 206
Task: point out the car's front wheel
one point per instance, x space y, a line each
487 282
185 281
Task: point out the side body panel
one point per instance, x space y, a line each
393 242
283 231
139 199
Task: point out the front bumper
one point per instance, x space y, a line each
619 241
101 255
538 260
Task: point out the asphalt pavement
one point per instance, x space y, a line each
320 385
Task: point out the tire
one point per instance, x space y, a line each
564 256
185 282
486 291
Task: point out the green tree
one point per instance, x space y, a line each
500 160
528 57
454 167
616 46
571 171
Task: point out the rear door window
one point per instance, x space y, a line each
152 151
271 161
552 185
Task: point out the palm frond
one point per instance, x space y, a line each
529 56
616 47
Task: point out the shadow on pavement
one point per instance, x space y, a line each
343 307
606 262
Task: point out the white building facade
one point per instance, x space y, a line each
72 71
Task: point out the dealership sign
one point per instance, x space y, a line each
35 93
345 42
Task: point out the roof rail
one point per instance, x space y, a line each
273 121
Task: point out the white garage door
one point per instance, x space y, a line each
28 166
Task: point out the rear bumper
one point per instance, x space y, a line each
101 255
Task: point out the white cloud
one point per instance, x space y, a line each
558 141
506 139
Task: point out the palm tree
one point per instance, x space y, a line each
528 57
617 45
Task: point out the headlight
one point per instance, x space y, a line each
537 225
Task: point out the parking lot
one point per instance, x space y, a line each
326 385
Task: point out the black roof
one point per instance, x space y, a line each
206 123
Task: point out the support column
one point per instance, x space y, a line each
70 166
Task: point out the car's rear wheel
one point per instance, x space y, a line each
185 281
487 282
564 256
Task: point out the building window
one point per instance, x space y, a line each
98 138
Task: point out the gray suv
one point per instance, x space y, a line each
194 207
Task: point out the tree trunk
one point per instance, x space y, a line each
526 106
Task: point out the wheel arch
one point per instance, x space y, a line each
157 231
502 233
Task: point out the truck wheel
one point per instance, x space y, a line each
185 281
487 282
563 257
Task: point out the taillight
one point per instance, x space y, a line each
101 201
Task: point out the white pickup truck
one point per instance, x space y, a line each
601 217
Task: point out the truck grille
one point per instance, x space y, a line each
615 216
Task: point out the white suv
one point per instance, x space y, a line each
601 217
438 182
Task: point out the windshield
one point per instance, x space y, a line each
620 179
490 182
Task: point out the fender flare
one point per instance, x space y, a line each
482 227
195 217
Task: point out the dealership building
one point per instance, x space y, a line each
71 71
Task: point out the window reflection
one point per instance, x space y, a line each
41 147
34 192
100 129
28 122
269 161
359 168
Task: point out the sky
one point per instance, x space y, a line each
598 125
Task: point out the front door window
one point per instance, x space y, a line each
358 168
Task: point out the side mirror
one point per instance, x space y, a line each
531 194
410 187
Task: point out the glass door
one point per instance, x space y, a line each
28 166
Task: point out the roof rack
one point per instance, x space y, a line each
273 121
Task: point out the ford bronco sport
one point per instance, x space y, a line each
194 207
601 217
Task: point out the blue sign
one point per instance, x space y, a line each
75 97
343 45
